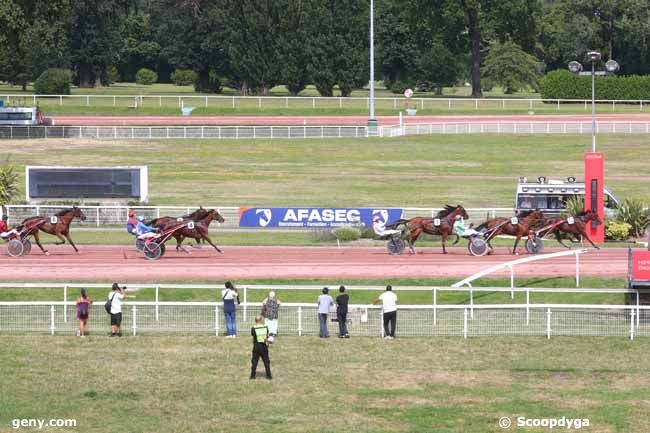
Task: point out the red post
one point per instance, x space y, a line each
595 193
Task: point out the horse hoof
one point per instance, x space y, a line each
47 253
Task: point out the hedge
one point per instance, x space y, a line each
184 77
565 85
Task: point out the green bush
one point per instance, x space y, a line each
184 77
53 82
635 213
8 182
400 86
616 230
562 84
347 234
209 84
574 205
112 75
146 77
322 235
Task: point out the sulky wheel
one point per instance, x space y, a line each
395 246
139 244
15 248
162 250
152 251
27 247
477 247
535 245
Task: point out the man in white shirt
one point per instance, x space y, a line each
379 228
116 297
388 300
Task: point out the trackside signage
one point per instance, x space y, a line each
314 216
641 265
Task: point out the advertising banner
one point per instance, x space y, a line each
641 265
314 217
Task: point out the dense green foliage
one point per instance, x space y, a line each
617 230
54 82
184 77
8 182
253 46
146 77
564 85
636 213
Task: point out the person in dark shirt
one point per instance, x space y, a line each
342 312
260 335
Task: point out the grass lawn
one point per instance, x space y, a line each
200 384
361 296
427 171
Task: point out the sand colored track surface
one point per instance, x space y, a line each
124 263
78 120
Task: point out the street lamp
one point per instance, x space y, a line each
372 122
611 66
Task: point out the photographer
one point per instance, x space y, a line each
229 295
115 297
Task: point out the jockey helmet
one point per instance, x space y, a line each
5 217
140 218
131 214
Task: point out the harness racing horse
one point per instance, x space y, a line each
163 221
442 225
573 226
499 226
199 232
57 225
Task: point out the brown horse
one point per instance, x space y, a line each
505 226
199 232
563 225
57 225
161 222
442 225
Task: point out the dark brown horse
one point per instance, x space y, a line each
505 226
442 224
199 232
57 225
575 227
161 222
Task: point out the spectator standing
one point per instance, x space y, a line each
83 309
260 334
325 302
229 295
116 296
270 308
342 312
388 300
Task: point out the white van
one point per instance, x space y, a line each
550 196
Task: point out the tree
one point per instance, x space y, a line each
507 65
8 183
438 67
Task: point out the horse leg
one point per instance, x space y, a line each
207 238
456 241
559 239
67 236
514 247
584 234
38 242
413 236
444 240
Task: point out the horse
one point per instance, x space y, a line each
160 222
505 226
60 228
418 225
559 225
199 232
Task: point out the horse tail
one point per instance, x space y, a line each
397 223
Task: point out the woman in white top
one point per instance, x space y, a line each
388 300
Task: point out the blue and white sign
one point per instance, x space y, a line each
314 216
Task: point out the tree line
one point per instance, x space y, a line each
254 45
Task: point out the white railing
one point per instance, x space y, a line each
112 215
182 132
318 102
364 320
515 127
245 308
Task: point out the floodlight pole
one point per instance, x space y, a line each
371 118
593 106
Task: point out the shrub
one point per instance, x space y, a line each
8 183
400 86
146 77
112 75
616 230
210 83
562 84
184 77
347 234
322 235
574 205
636 214
53 82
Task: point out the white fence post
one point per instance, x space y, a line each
471 301
65 303
577 269
632 324
527 306
435 306
465 323
381 321
512 282
245 303
157 300
548 323
216 319
638 312
299 321
134 312
52 327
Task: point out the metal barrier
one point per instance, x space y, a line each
515 127
182 132
319 102
543 320
99 216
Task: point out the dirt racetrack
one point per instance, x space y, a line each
124 263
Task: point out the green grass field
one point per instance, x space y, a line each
442 385
427 171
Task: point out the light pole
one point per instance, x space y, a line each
611 66
372 122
